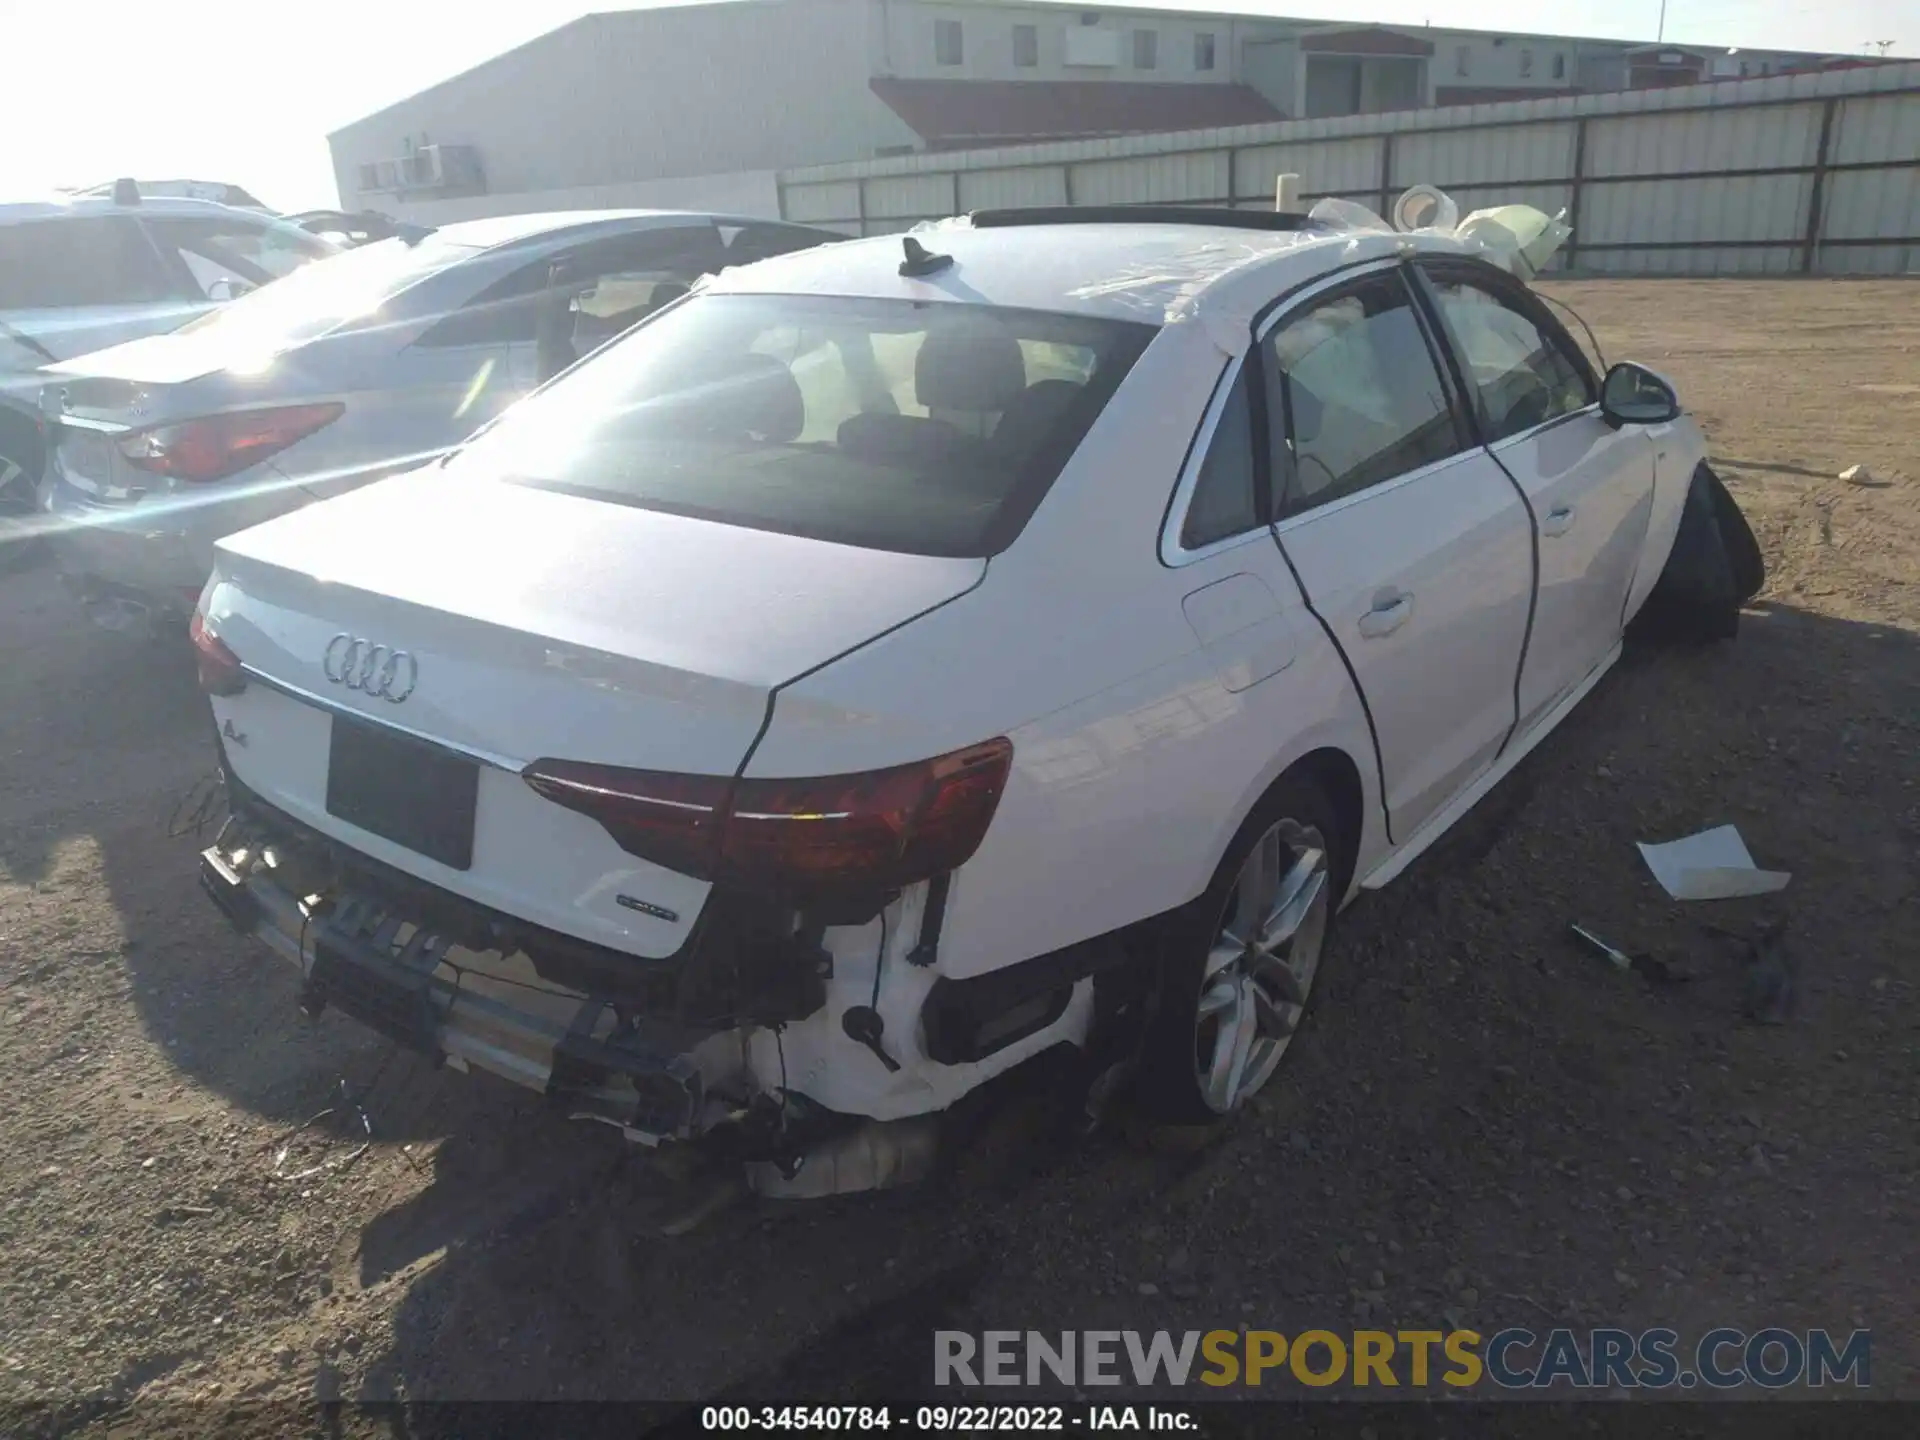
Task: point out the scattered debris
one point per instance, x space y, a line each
349 1109
1619 959
200 808
1713 865
1648 967
1770 992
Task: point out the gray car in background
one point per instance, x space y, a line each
81 272
374 361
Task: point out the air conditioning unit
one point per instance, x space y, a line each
432 169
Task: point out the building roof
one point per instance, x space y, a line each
950 113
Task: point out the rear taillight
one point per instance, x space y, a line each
220 672
216 446
883 830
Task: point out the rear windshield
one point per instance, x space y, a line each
924 428
327 293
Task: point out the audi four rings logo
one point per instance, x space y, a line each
376 670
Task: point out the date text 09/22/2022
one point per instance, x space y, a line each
946 1419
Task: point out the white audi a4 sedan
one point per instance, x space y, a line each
904 659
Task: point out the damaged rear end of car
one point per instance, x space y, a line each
486 733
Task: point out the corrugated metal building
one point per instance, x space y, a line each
699 104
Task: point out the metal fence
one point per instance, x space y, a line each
1800 174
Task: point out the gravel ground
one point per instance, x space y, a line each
1483 1125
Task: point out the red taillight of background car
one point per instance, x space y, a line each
216 446
883 830
220 672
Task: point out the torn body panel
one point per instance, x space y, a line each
745 1017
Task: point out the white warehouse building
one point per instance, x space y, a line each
700 106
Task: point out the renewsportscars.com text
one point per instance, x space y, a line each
1513 1359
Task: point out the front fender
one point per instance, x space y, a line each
1678 450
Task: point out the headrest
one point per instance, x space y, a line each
975 369
1034 416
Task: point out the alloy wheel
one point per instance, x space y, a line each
1260 968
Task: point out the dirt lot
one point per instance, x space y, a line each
1483 1123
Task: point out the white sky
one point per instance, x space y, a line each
245 92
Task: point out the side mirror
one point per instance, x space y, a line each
1634 395
225 288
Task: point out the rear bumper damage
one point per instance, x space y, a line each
782 1089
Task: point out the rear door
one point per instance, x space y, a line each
1412 545
1589 486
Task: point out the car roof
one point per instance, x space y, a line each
508 229
1153 272
66 207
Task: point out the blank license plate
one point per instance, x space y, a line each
402 790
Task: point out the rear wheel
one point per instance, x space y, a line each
1241 960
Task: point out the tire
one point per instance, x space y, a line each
1748 565
20 462
1697 597
1226 1020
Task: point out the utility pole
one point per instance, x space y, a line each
1661 38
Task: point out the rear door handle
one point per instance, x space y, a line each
1391 609
1558 521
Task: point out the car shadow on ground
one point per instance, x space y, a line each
105 739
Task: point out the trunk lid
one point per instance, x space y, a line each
537 626
157 360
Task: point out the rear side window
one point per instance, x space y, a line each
85 260
611 284
1522 375
228 255
748 243
930 429
1354 396
1225 500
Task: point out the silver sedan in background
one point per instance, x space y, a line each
372 362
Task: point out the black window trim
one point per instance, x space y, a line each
1465 424
1506 288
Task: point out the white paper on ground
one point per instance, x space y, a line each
1713 865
